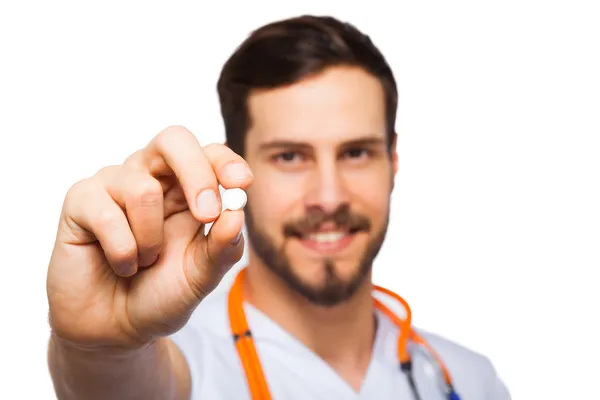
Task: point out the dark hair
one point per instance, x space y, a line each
287 51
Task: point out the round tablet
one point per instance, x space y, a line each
234 199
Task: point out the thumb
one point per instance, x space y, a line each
216 253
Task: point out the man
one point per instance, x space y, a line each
309 107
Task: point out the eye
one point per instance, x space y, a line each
286 157
357 153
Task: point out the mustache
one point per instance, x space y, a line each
342 217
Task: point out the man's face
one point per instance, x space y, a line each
318 208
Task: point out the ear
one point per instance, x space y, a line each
394 154
394 158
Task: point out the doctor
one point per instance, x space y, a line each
309 106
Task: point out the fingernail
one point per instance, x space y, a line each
237 238
236 170
208 204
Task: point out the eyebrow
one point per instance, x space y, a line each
293 144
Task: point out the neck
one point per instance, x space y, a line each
341 335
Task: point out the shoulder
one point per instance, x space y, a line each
454 353
473 373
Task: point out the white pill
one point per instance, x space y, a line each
233 199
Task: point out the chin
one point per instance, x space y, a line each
328 282
317 273
325 265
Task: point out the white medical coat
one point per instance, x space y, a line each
293 372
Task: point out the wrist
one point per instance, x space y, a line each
99 351
102 372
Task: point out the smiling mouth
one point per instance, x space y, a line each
327 241
325 237
327 232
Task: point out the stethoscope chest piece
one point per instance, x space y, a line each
453 396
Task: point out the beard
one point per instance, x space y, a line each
334 289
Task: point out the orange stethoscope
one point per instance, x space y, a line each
255 378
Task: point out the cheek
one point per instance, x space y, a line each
271 202
376 208
371 192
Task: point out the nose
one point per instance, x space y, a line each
328 189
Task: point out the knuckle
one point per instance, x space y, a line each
221 155
106 219
77 188
106 172
76 193
173 131
145 192
134 158
215 147
220 151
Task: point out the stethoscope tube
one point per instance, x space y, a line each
407 369
251 364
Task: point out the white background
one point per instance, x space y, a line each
495 235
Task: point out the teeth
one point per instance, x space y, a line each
326 237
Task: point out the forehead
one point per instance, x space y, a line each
340 104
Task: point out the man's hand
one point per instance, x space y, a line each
131 261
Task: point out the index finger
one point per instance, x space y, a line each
177 151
